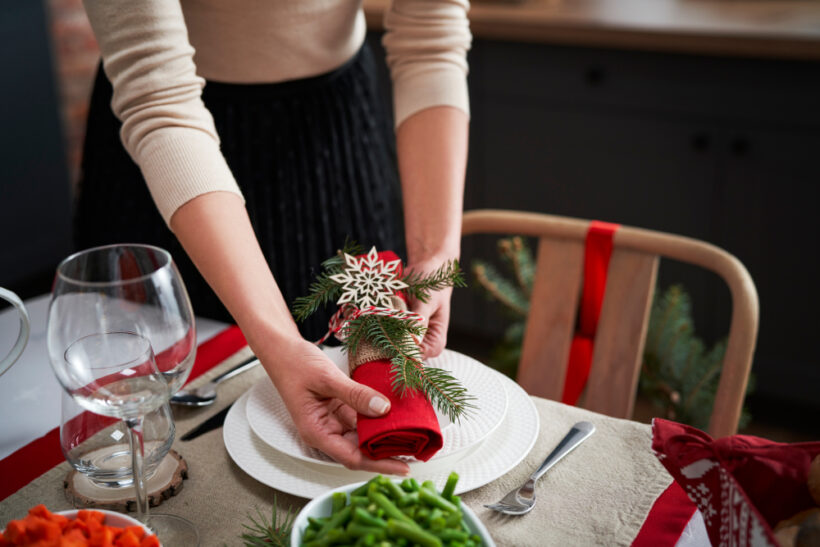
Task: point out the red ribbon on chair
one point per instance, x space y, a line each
597 252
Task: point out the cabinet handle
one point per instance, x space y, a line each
595 76
740 146
700 142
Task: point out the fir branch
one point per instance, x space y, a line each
322 291
519 257
500 288
334 264
263 533
419 286
390 335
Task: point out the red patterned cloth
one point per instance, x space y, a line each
743 485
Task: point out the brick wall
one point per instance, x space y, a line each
76 56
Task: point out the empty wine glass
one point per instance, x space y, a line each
111 309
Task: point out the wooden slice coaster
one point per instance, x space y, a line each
166 481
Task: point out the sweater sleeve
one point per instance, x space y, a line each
157 95
427 43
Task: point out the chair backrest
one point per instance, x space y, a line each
621 332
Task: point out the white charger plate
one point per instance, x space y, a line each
502 451
270 421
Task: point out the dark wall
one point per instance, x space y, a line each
35 230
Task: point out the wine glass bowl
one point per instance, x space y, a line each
125 288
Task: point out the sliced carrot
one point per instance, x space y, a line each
149 541
42 529
101 537
78 525
127 539
89 516
138 531
74 538
16 532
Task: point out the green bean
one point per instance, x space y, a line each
409 499
400 529
317 523
309 534
338 501
362 490
335 522
449 534
429 485
357 530
394 491
363 517
432 499
387 506
359 501
450 486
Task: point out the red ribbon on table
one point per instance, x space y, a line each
743 485
597 252
32 460
410 428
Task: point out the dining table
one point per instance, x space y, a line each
611 490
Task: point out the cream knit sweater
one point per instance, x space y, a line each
158 54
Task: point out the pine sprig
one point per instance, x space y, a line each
391 335
419 286
324 290
262 532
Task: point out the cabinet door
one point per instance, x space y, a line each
648 172
769 220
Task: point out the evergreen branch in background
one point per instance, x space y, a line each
419 286
519 259
391 335
501 289
263 533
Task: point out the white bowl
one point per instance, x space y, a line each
320 506
112 518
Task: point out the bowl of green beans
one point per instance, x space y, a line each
390 513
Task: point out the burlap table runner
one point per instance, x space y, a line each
599 495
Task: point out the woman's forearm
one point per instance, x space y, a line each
432 153
216 233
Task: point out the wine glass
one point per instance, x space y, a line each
121 339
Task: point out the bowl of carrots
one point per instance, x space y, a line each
382 511
76 528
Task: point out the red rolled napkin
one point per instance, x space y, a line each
410 428
743 485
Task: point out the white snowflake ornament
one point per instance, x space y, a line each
369 281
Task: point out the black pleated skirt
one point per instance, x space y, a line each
314 158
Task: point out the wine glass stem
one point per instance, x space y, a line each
135 440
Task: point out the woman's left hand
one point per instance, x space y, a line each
436 312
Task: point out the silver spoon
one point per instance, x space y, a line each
206 393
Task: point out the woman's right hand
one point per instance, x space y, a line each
323 402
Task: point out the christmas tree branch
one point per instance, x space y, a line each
500 289
322 291
261 533
520 259
419 286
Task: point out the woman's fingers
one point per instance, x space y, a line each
359 397
344 450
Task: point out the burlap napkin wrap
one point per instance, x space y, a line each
367 352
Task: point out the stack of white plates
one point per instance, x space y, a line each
495 436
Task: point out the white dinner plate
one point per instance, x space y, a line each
502 451
270 421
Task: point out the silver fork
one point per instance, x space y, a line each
521 500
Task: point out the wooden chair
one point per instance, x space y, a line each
621 332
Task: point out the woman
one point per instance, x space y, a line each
305 160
